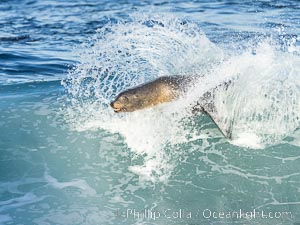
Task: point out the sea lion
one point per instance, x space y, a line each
161 90
167 89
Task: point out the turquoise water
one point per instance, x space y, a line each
67 158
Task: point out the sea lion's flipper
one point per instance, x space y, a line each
223 125
225 128
207 105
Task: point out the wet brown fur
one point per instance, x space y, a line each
161 90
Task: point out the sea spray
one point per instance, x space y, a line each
261 105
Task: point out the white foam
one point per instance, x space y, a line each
78 183
13 203
248 140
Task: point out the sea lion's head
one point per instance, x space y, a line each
144 96
126 102
132 100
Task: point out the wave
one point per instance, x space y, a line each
23 67
24 37
262 105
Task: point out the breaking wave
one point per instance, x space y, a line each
262 106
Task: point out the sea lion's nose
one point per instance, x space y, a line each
112 104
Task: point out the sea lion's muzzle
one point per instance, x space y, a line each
116 107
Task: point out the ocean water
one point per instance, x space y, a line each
67 158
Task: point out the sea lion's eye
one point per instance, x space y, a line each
124 98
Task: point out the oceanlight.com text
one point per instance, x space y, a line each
209 214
